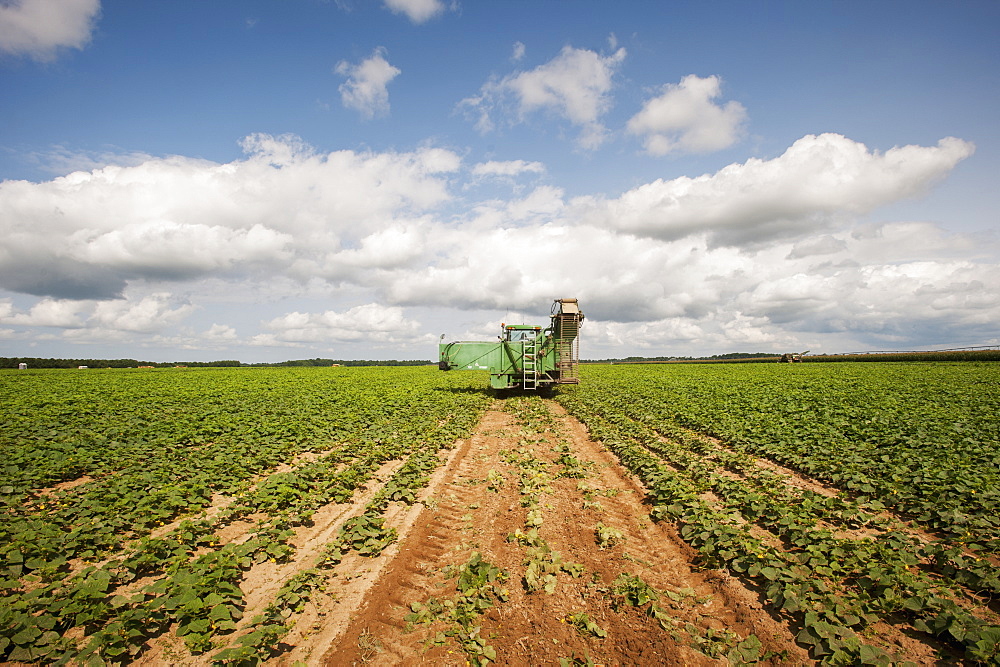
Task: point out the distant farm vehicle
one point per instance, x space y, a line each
792 357
525 357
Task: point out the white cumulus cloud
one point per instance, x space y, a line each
366 89
369 322
685 118
391 247
61 313
817 178
39 28
822 245
507 168
220 333
575 86
88 234
170 249
418 11
149 313
769 253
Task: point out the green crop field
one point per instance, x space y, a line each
914 450
158 445
852 497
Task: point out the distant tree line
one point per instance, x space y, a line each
770 357
348 362
729 356
943 355
37 362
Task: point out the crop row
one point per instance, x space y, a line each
919 438
766 498
797 546
91 557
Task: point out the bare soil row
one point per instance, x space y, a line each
476 502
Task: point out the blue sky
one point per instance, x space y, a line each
273 180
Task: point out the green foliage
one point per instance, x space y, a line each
586 627
480 586
143 450
543 564
917 440
494 481
607 536
270 626
366 534
633 590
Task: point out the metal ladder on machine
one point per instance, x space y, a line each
529 364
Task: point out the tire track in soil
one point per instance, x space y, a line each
464 516
329 612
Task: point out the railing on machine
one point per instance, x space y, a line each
568 348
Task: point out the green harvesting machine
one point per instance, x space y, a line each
525 356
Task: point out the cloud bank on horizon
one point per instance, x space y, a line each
366 249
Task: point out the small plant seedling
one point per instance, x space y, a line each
494 481
479 587
608 536
574 661
634 590
585 626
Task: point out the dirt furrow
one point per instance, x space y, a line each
329 613
481 502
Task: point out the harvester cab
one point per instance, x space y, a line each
526 356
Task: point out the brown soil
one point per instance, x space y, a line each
69 485
364 620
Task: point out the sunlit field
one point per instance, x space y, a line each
143 508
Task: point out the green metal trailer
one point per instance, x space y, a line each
525 356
